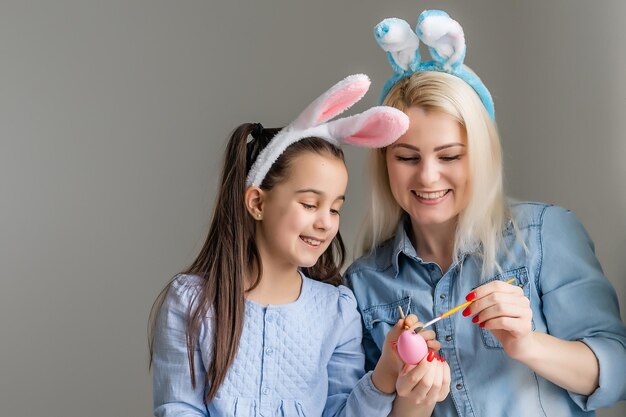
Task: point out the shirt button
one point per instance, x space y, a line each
269 351
458 386
448 338
266 391
442 296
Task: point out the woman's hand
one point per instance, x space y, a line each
428 382
504 310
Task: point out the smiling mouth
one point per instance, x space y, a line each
431 196
311 242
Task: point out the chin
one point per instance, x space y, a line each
308 264
425 221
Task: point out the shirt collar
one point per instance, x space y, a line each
402 244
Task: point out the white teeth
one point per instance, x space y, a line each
312 242
432 196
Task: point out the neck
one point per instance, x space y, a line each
435 243
279 284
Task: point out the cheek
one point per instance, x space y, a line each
462 185
294 222
399 180
461 177
395 175
455 172
285 222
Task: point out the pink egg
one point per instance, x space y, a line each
411 347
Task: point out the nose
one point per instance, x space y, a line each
428 173
323 220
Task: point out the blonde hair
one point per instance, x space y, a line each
480 225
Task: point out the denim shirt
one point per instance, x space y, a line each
570 298
299 359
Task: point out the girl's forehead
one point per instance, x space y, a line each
314 173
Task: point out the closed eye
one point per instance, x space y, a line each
335 212
308 206
451 158
407 159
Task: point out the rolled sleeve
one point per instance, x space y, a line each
612 362
579 303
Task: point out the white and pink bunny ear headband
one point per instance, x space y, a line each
374 128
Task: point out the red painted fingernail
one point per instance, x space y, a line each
443 359
431 356
475 319
482 324
439 358
471 296
467 312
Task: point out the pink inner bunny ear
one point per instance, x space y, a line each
334 101
342 99
375 128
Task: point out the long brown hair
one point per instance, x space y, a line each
230 252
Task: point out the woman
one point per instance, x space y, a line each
441 232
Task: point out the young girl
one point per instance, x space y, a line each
441 232
259 325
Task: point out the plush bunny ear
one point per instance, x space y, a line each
374 128
334 101
444 36
396 37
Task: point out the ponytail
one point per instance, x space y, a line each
223 263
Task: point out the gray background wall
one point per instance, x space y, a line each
113 117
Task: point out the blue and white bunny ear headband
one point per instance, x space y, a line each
374 128
446 42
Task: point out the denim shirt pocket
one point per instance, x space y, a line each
379 319
521 280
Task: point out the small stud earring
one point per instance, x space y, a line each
258 216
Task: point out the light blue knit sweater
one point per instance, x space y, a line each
299 359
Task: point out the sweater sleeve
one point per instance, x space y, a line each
173 394
372 352
350 391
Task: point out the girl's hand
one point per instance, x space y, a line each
426 383
386 370
504 310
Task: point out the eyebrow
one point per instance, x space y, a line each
317 192
415 148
